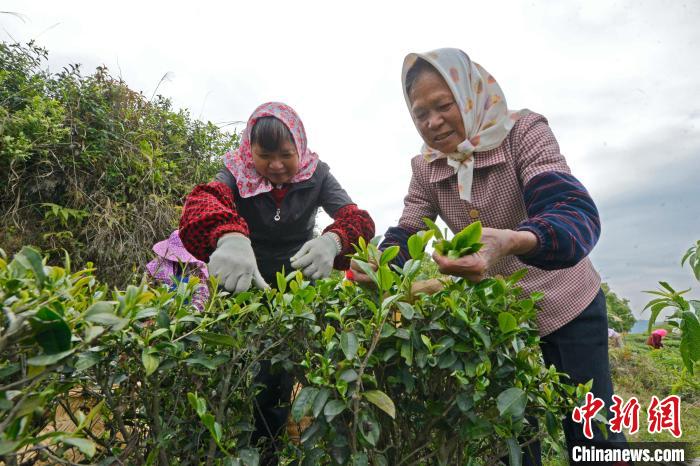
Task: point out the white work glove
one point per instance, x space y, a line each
316 256
233 263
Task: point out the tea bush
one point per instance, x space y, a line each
389 377
620 315
686 312
91 166
446 380
142 375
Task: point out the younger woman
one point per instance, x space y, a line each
258 216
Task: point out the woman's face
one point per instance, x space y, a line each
436 113
278 166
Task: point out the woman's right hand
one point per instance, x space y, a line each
430 286
233 263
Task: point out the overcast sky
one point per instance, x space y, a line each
619 82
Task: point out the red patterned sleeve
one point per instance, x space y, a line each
209 212
350 223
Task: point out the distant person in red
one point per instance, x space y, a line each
655 338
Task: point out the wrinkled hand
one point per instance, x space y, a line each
316 256
430 286
233 263
358 275
497 244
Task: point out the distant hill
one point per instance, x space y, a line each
640 326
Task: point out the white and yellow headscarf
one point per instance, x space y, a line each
485 114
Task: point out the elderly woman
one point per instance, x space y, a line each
481 161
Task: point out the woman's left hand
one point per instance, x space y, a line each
497 244
316 256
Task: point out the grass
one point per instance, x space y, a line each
640 371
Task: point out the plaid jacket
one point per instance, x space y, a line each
524 184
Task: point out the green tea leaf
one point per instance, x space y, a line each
303 402
48 359
86 360
453 254
655 311
389 254
468 236
30 259
385 278
91 415
249 456
407 351
515 454
202 361
349 345
507 322
281 282
381 401
8 447
102 312
416 247
483 334
93 332
9 369
217 339
150 360
158 332
552 424
369 428
407 310
443 247
434 228
517 276
146 313
320 401
426 342
348 375
51 331
332 409
511 402
198 404
86 446
359 459
690 339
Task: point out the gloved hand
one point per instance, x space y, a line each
233 263
316 256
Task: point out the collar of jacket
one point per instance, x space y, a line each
439 170
308 183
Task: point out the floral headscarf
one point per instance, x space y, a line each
482 104
240 162
166 267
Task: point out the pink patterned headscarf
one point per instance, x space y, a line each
240 162
171 254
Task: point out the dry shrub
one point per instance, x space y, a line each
92 167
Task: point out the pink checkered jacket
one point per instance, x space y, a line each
497 201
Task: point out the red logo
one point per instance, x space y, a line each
585 414
661 415
624 416
665 415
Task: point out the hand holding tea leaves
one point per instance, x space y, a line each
474 250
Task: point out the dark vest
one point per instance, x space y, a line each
275 241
